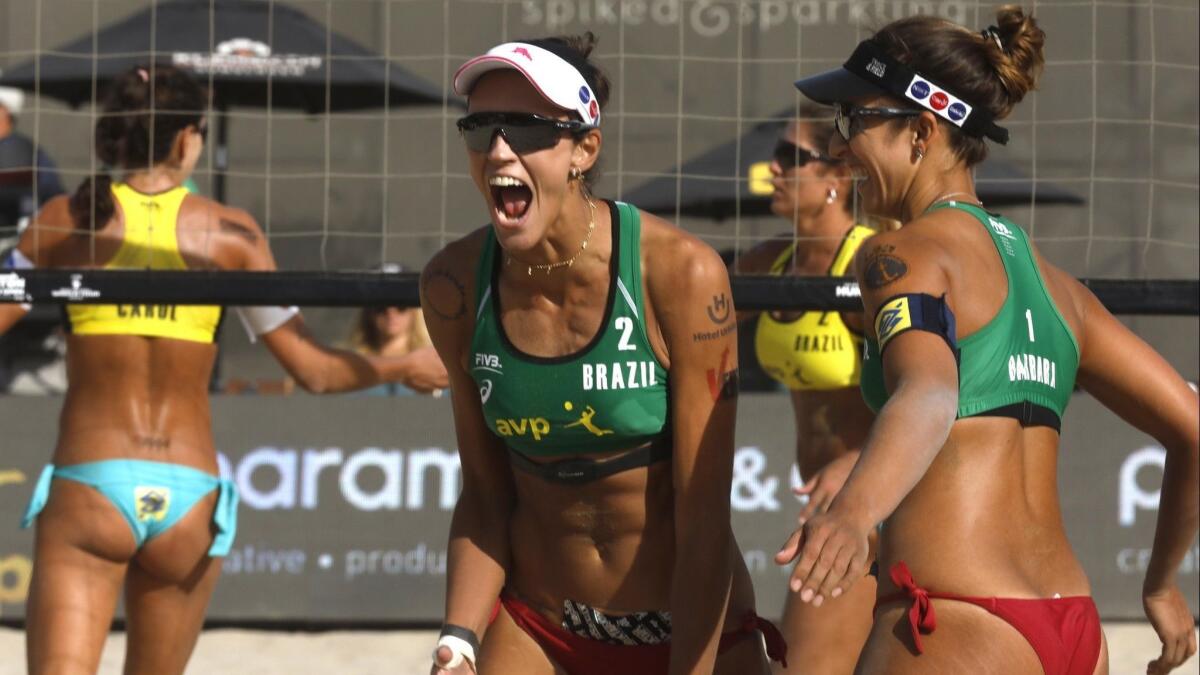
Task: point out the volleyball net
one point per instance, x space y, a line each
334 127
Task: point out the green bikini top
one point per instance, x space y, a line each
1022 363
610 395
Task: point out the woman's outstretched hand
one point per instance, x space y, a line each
833 552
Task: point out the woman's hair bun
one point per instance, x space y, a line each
1019 57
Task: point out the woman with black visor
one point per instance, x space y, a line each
974 345
593 365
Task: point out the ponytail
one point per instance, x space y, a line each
91 205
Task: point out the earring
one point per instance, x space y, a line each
920 152
574 173
832 196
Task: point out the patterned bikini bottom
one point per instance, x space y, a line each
637 628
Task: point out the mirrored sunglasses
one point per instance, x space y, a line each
524 132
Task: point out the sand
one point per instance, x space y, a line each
246 652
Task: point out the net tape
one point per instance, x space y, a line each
354 289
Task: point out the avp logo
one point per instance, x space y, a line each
534 426
585 420
488 362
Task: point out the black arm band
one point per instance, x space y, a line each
915 311
465 634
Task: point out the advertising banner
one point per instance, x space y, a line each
346 503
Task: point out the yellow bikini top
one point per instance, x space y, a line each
816 351
149 243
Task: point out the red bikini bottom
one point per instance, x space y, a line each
1064 632
584 656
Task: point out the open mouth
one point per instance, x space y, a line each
511 199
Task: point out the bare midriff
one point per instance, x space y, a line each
609 544
829 424
134 397
985 520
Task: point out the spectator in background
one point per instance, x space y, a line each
31 357
392 331
28 177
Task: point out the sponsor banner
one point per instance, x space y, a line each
244 57
12 287
714 18
346 503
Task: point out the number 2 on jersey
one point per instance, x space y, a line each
625 325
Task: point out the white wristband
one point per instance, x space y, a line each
460 648
262 320
18 261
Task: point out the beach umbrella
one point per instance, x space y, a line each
714 183
254 54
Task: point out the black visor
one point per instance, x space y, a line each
871 71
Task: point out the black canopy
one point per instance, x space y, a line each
253 53
243 46
712 183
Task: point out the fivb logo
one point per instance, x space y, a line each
938 100
488 362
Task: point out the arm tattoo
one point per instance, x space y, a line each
238 230
714 334
439 282
883 267
719 310
722 383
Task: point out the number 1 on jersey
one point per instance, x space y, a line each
1029 321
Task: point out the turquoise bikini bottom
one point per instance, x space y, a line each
152 496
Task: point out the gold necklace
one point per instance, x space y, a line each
550 267
948 195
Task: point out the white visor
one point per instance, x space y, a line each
12 99
555 79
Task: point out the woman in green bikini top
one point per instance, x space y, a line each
974 346
592 358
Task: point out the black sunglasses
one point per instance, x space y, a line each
847 117
789 155
524 132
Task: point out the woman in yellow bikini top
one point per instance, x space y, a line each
817 356
814 351
149 242
132 496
